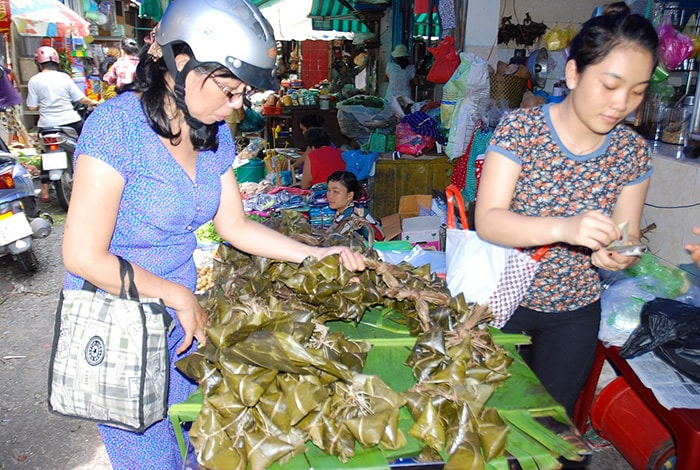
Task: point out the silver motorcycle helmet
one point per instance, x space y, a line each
232 33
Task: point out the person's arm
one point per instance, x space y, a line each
694 248
254 238
306 176
94 206
497 224
32 98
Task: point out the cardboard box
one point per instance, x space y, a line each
422 229
409 206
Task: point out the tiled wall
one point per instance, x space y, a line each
314 65
675 191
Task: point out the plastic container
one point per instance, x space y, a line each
252 172
621 417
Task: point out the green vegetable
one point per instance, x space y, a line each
207 233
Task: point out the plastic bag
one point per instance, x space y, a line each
446 61
672 330
410 143
252 122
684 355
465 97
358 121
558 38
674 47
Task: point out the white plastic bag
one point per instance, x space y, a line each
485 273
465 96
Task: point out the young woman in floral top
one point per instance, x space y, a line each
567 175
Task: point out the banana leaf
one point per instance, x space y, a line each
280 352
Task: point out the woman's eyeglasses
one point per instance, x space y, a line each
230 94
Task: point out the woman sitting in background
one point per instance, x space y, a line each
343 191
322 159
305 123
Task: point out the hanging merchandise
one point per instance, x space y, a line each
674 47
446 61
465 96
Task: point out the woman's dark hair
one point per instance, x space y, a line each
129 45
600 35
616 8
150 81
317 137
312 120
106 64
402 61
347 179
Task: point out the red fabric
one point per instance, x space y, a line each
478 165
324 162
459 172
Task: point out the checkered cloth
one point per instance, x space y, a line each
512 286
110 361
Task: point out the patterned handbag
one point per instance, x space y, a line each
110 360
484 272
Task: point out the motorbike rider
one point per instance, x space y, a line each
153 164
53 93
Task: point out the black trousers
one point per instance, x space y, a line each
562 350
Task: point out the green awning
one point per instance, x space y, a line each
335 15
421 26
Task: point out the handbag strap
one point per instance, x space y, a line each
454 197
126 272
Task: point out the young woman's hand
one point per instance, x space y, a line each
591 229
694 248
193 319
612 261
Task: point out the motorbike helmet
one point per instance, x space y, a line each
232 33
45 54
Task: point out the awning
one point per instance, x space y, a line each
290 21
48 18
339 15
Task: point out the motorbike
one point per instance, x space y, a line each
58 146
20 221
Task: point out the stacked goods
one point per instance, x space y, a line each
274 376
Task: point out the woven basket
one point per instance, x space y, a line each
508 87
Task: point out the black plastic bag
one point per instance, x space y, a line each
683 354
672 330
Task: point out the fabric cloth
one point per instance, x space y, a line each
122 71
422 124
399 80
161 207
448 19
325 161
557 183
54 93
9 96
354 209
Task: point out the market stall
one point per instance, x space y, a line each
343 383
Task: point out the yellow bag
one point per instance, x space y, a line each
558 38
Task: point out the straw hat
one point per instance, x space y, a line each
400 51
